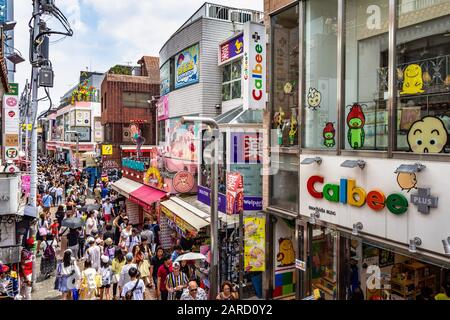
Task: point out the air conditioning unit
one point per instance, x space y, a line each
126 135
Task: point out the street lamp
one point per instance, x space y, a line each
214 268
77 135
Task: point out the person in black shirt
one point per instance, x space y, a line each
72 240
156 262
108 233
187 243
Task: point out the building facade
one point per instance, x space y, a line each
371 98
126 101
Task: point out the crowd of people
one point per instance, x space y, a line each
89 245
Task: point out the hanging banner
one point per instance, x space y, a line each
163 108
187 67
26 183
231 49
254 244
254 66
235 193
11 123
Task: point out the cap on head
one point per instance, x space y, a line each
105 259
176 265
30 241
90 240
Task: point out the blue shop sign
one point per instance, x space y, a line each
133 164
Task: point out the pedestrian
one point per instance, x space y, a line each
156 262
54 229
105 192
176 282
47 202
91 224
117 265
81 243
43 230
48 260
109 249
145 248
155 229
133 240
67 273
193 292
52 192
444 294
26 269
93 253
72 241
59 195
108 233
227 292
177 251
89 282
186 269
148 234
106 274
124 276
98 193
135 288
59 214
108 210
117 223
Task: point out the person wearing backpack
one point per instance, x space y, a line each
48 260
135 288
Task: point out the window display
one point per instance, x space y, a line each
366 45
282 195
423 77
320 74
285 50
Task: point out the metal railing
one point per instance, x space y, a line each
407 6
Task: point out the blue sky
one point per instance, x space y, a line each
107 32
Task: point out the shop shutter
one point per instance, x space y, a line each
132 212
164 234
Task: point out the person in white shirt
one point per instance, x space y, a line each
124 276
107 210
135 286
93 254
69 273
59 195
88 279
91 224
132 240
106 274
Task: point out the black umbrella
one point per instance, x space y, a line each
91 207
73 223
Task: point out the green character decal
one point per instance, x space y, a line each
328 135
355 122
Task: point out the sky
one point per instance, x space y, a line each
106 33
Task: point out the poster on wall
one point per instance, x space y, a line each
162 107
235 193
246 147
83 118
187 67
165 79
284 258
254 244
182 141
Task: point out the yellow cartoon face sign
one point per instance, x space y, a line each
427 136
407 181
412 80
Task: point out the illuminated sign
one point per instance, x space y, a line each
348 193
134 165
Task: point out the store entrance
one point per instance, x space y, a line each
370 272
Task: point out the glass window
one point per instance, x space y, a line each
162 131
284 182
231 87
366 55
136 99
423 76
285 50
320 75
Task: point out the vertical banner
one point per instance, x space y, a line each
254 244
11 123
255 95
235 193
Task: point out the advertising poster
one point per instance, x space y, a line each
26 183
83 118
165 79
11 116
284 258
246 147
235 193
182 141
187 67
254 244
231 49
3 11
163 108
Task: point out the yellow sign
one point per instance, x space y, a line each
105 179
28 127
254 244
107 150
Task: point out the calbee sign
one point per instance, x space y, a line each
255 95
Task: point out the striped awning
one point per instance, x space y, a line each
125 186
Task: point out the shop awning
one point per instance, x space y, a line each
126 186
145 196
178 212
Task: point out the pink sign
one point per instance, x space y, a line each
235 193
163 108
26 182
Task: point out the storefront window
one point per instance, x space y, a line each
320 75
423 76
284 183
366 39
324 262
231 87
285 51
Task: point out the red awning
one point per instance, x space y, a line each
145 196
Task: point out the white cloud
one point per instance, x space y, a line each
108 32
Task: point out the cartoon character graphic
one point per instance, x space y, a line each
286 254
138 139
328 135
239 46
314 98
278 120
412 80
294 128
407 181
355 121
427 135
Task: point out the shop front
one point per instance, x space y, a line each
363 237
